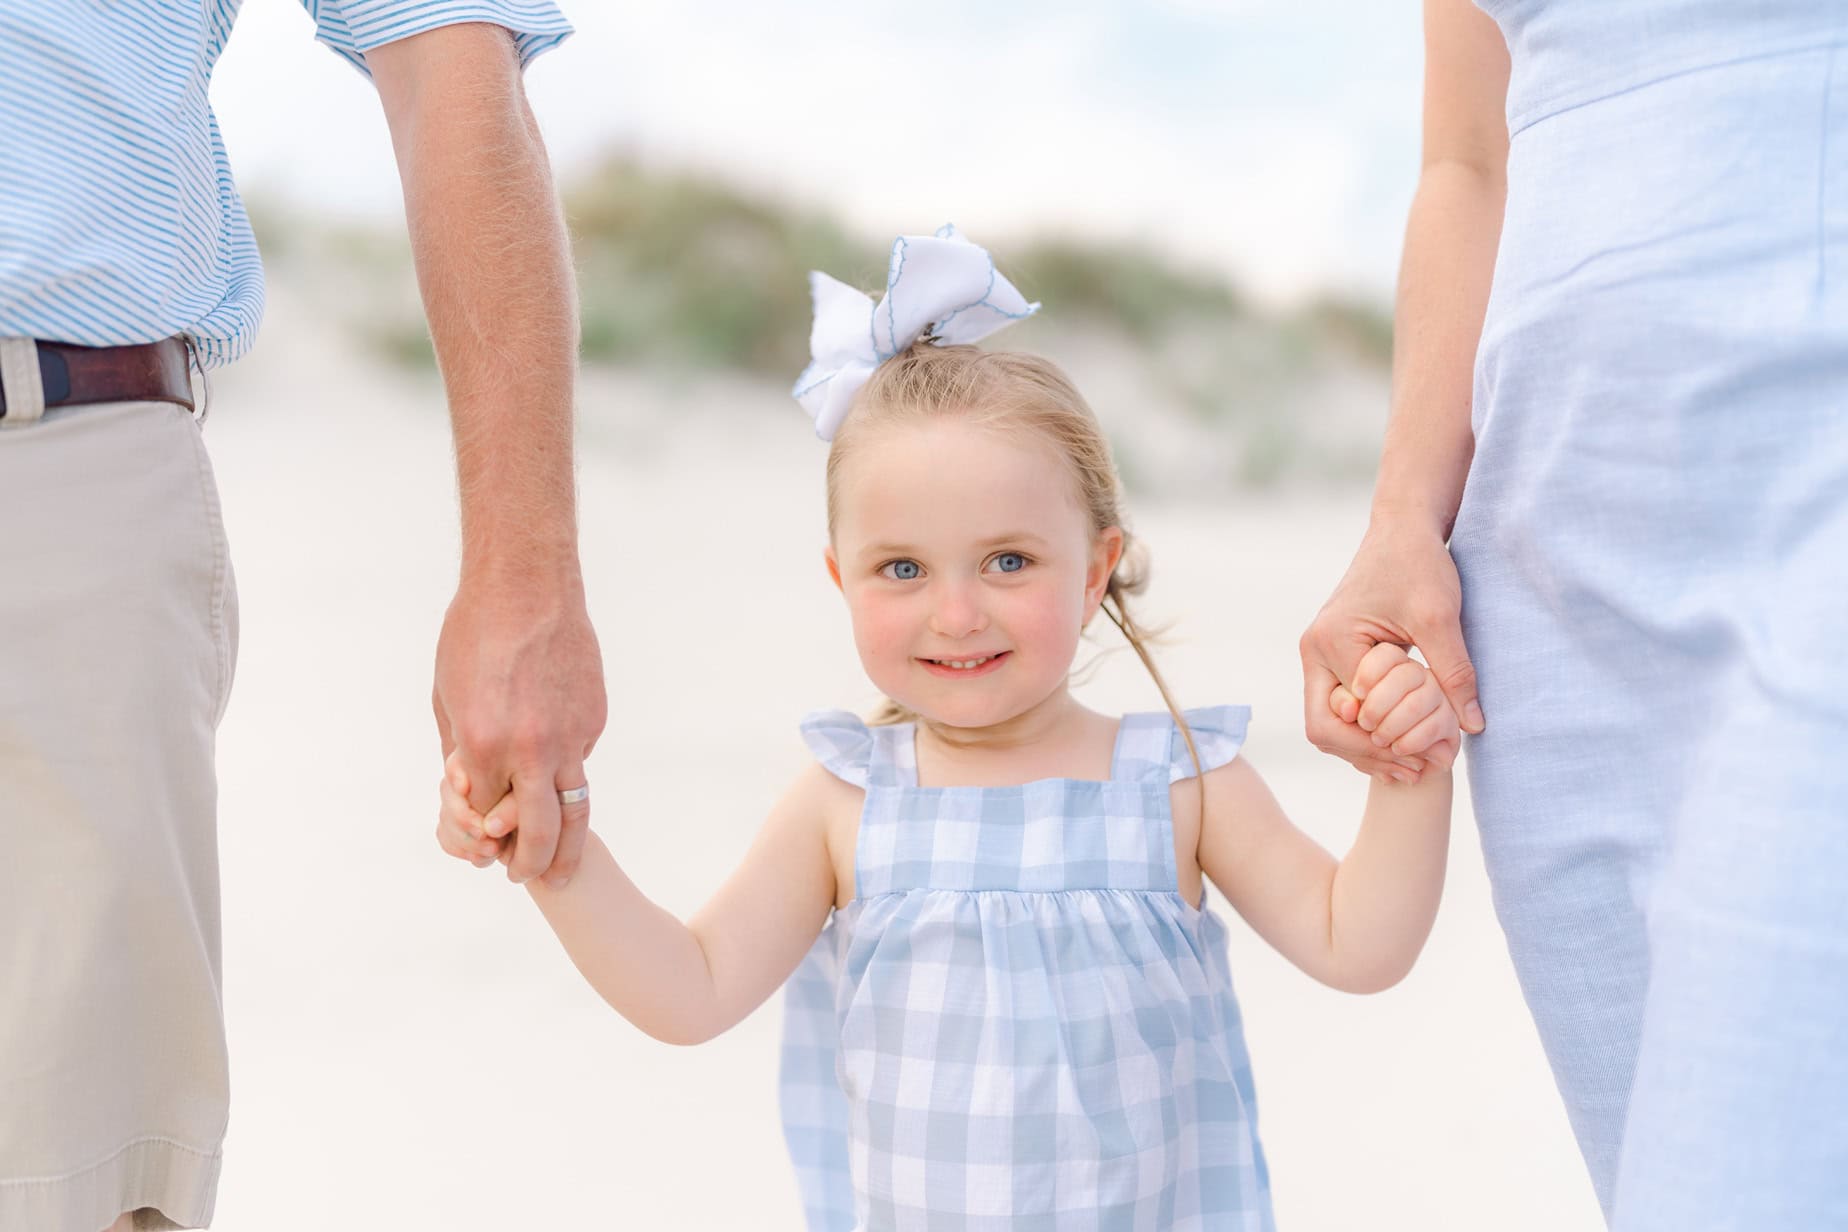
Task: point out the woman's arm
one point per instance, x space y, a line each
1444 273
1402 586
686 983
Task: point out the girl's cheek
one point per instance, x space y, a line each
1049 615
879 628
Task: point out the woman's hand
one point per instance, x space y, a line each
1401 589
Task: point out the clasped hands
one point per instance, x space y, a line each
1364 699
519 698
519 704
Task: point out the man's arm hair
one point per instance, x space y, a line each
519 679
494 266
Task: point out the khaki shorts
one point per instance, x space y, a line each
118 635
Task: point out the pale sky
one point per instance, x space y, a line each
1275 140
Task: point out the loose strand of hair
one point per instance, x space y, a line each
1113 606
889 713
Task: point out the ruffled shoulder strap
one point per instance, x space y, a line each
1151 749
841 742
1218 734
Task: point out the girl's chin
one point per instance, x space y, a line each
964 712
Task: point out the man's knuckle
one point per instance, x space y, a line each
480 740
531 745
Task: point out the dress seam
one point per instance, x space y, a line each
1174 894
1519 125
1822 178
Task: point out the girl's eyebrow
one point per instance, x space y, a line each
906 549
888 549
1013 536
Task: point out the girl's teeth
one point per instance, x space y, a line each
965 665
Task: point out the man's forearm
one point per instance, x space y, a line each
518 693
1450 242
494 266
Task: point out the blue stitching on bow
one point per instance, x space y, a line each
894 272
983 303
799 391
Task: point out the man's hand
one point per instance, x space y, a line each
519 682
1402 588
519 704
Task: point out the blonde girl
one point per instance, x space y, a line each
1015 1010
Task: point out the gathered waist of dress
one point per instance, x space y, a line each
1573 53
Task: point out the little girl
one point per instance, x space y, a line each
1018 1014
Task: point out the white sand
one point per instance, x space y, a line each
411 1049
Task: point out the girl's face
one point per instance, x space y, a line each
968 567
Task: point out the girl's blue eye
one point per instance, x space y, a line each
1010 562
902 570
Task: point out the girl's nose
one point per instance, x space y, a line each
956 613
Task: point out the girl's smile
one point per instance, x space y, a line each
967 666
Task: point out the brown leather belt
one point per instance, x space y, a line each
78 375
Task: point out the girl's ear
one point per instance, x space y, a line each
1106 551
834 567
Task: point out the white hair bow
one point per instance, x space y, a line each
937 284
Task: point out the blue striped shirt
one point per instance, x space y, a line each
119 219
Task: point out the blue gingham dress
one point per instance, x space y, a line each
1018 1023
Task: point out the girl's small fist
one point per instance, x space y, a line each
459 828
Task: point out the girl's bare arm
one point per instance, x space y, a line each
1356 924
685 983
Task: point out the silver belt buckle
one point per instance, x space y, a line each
195 362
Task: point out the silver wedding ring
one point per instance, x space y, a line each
575 795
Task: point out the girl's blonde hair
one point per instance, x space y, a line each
1011 391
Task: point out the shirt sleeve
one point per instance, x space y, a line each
354 27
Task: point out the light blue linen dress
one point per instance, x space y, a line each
1018 1024
1653 545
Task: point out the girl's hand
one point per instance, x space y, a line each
1401 704
460 830
1401 590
